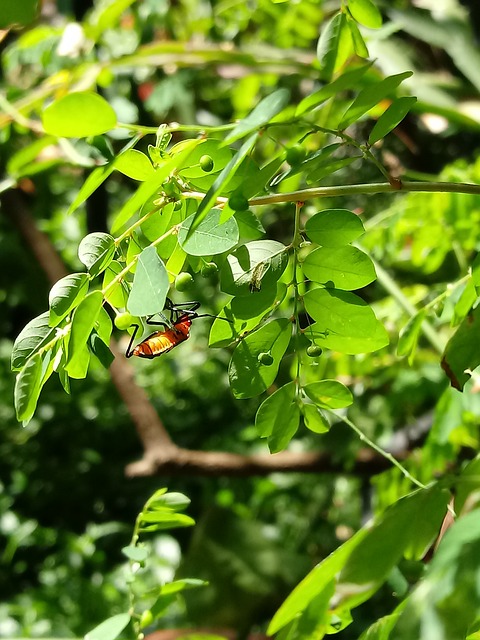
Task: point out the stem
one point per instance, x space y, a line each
379 450
175 126
297 239
367 189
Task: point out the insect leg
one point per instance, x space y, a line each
129 351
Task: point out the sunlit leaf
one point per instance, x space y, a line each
462 353
329 394
334 45
390 118
135 165
109 629
210 237
371 96
345 268
261 115
344 322
314 420
334 227
365 12
32 337
359 45
278 418
150 285
408 337
242 265
65 295
78 115
96 251
83 321
27 388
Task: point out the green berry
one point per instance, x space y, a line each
265 358
124 320
206 163
314 351
208 269
295 155
183 281
146 619
238 202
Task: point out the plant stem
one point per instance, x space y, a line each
367 189
297 239
379 450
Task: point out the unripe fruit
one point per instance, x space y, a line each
295 155
265 358
124 320
208 269
314 351
238 202
146 619
183 281
206 163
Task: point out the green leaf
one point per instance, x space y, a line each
381 629
371 96
314 420
244 265
390 118
65 295
318 160
27 388
135 165
96 251
345 323
408 337
465 302
334 45
222 181
328 167
248 376
278 418
33 336
83 321
15 13
148 188
447 600
101 350
348 80
334 227
78 115
161 520
313 584
359 45
118 294
150 285
344 268
109 629
173 501
106 16
329 394
261 115
462 352
182 585
245 314
97 177
366 13
136 554
210 237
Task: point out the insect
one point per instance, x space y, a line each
174 332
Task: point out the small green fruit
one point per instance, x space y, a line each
183 281
208 269
238 202
314 351
265 358
206 163
124 320
295 155
146 619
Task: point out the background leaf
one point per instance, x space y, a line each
265 110
78 115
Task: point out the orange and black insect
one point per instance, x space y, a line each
173 333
